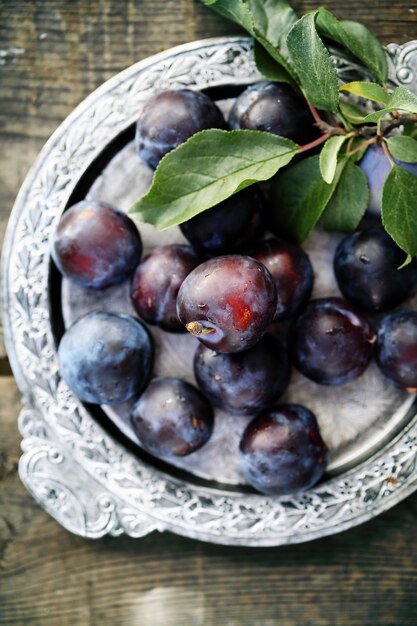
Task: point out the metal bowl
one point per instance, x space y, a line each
84 465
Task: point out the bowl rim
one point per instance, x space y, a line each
72 467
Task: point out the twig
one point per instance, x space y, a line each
402 119
387 153
313 144
329 129
387 127
362 145
314 112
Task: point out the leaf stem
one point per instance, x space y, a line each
314 112
362 145
399 121
324 126
349 144
385 128
316 142
328 128
387 153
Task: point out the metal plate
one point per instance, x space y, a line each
85 467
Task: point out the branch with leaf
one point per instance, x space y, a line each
330 187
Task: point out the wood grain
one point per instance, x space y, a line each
49 577
53 54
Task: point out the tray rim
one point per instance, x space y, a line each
51 466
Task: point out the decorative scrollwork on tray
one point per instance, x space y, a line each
83 478
70 495
404 64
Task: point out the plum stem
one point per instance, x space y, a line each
349 144
328 128
335 129
197 329
399 121
362 145
314 143
385 128
314 112
322 125
387 153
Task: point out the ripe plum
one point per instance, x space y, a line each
292 272
172 418
332 342
169 118
106 358
275 108
245 382
376 166
282 451
96 245
366 268
156 283
396 348
228 226
228 302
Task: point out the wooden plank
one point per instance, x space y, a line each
390 21
52 55
48 577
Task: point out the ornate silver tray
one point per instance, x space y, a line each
83 467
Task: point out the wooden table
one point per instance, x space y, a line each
52 54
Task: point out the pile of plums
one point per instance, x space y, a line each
233 284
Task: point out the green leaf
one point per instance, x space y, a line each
240 12
357 39
371 91
271 22
328 157
276 56
273 19
256 24
348 203
269 67
407 261
367 48
401 99
403 148
399 214
351 112
235 10
355 145
299 197
208 168
410 130
313 63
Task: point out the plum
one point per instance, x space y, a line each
275 108
169 118
332 343
172 418
291 269
228 226
243 383
366 268
156 283
106 358
96 245
228 302
376 166
396 349
281 450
